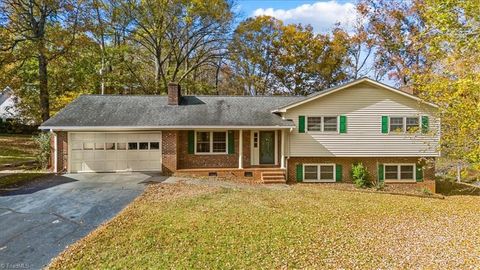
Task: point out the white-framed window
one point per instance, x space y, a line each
322 123
319 172
412 124
402 124
399 172
314 123
396 124
210 142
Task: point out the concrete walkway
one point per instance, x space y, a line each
39 220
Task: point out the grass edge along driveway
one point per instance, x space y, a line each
306 226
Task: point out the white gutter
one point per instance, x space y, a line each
126 128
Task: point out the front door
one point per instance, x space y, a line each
267 147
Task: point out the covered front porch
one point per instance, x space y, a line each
250 154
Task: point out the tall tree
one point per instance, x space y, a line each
361 50
179 36
269 57
453 82
396 27
309 62
41 30
253 55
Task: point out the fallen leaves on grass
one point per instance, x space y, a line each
186 226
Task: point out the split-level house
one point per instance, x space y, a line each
268 139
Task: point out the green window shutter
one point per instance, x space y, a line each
338 173
301 124
231 142
343 124
425 124
191 142
299 172
419 173
384 124
380 172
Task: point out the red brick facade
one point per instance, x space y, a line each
170 147
62 151
175 157
190 161
370 162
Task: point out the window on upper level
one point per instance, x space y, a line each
413 124
330 124
322 123
401 124
314 123
396 124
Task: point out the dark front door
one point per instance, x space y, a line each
267 147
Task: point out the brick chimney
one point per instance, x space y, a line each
407 89
174 94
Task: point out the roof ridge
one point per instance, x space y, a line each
119 95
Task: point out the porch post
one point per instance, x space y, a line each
282 150
240 149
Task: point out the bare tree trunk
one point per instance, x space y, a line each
43 79
217 74
102 49
158 71
459 172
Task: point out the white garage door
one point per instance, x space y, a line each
111 152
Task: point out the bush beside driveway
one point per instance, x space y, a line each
305 226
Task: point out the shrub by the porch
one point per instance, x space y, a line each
360 176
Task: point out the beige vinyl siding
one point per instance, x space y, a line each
364 105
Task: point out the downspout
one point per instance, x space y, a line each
55 154
288 149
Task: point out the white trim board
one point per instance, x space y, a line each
142 128
347 85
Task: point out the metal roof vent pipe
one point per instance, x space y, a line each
174 93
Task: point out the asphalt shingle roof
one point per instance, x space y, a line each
153 111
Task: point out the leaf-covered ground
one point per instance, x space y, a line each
307 226
16 148
18 179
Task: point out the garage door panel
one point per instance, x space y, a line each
121 165
153 154
121 155
111 137
77 155
96 152
100 137
76 166
88 155
111 155
100 155
111 165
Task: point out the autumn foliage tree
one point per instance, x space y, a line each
35 33
453 81
272 58
395 28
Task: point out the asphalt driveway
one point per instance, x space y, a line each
39 220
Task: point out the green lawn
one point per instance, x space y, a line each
307 226
18 179
16 148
